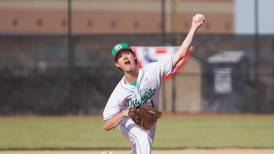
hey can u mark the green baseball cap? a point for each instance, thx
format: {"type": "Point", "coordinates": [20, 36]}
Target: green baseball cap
{"type": "Point", "coordinates": [118, 47]}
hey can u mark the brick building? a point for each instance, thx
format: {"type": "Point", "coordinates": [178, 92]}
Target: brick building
{"type": "Point", "coordinates": [113, 16]}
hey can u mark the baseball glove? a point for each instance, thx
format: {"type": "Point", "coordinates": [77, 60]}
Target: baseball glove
{"type": "Point", "coordinates": [144, 115]}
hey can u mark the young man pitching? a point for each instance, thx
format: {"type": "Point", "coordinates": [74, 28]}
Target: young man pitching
{"type": "Point", "coordinates": [132, 106]}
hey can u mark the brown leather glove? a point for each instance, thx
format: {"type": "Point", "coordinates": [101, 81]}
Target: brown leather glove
{"type": "Point", "coordinates": [144, 115]}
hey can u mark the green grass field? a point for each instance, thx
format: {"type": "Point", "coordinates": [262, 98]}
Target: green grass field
{"type": "Point", "coordinates": [173, 132]}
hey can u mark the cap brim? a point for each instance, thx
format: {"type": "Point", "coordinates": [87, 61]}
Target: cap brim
{"type": "Point", "coordinates": [123, 50]}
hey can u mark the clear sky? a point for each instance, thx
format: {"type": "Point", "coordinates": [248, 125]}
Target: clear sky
{"type": "Point", "coordinates": [244, 16]}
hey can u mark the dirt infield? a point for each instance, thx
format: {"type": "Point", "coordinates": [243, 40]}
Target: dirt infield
{"type": "Point", "coordinates": [190, 151]}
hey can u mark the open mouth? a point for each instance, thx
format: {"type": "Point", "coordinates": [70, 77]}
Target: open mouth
{"type": "Point", "coordinates": [127, 62]}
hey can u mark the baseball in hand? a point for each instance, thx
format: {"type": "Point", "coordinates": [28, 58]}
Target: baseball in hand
{"type": "Point", "coordinates": [198, 18]}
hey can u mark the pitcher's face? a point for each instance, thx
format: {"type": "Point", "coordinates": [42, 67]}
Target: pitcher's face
{"type": "Point", "coordinates": [126, 61]}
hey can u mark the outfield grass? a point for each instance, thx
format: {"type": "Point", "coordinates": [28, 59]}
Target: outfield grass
{"type": "Point", "coordinates": [173, 132]}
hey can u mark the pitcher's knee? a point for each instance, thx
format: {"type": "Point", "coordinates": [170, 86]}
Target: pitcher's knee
{"type": "Point", "coordinates": [144, 139]}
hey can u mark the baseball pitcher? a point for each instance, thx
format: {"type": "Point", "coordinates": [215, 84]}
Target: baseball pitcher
{"type": "Point", "coordinates": [133, 105]}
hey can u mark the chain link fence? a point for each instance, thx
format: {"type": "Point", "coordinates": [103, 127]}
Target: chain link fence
{"type": "Point", "coordinates": [61, 62]}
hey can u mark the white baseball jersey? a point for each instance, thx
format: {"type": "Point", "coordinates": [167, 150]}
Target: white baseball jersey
{"type": "Point", "coordinates": [147, 90]}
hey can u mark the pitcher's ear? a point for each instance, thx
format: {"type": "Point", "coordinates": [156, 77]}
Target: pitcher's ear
{"type": "Point", "coordinates": [116, 65]}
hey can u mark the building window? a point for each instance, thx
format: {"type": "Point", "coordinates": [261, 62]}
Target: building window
{"type": "Point", "coordinates": [39, 22]}
{"type": "Point", "coordinates": [227, 26]}
{"type": "Point", "coordinates": [160, 25]}
{"type": "Point", "coordinates": [64, 23]}
{"type": "Point", "coordinates": [15, 23]}
{"type": "Point", "coordinates": [113, 24]}
{"type": "Point", "coordinates": [89, 23]}
{"type": "Point", "coordinates": [186, 25]}
{"type": "Point", "coordinates": [136, 24]}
